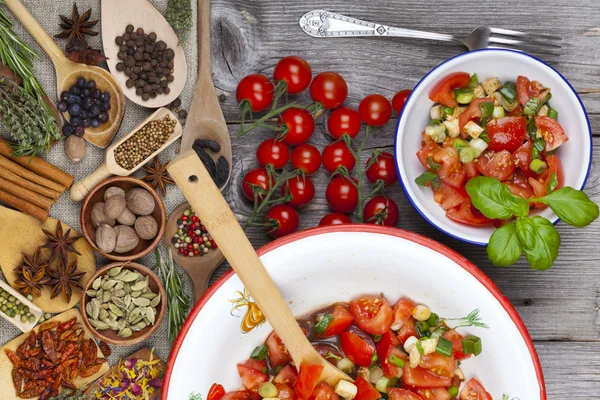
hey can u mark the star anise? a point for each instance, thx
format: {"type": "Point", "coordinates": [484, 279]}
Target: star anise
{"type": "Point", "coordinates": [60, 244]}
{"type": "Point", "coordinates": [158, 176]}
{"type": "Point", "coordinates": [30, 282]}
{"type": "Point", "coordinates": [77, 27]}
{"type": "Point", "coordinates": [34, 263]}
{"type": "Point", "coordinates": [64, 279]}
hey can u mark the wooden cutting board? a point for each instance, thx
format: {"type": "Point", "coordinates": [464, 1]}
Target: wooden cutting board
{"type": "Point", "coordinates": [142, 354]}
{"type": "Point", "coordinates": [21, 233]}
{"type": "Point", "coordinates": [7, 388]}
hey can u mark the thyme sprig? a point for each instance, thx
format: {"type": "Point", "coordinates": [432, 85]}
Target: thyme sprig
{"type": "Point", "coordinates": [179, 16]}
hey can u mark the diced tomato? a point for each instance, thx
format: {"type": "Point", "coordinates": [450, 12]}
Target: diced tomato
{"type": "Point", "coordinates": [408, 329]}
{"type": "Point", "coordinates": [554, 167]}
{"type": "Point", "coordinates": [452, 171]}
{"type": "Point", "coordinates": [324, 391]}
{"type": "Point", "coordinates": [552, 132]}
{"type": "Point", "coordinates": [365, 391]}
{"type": "Point", "coordinates": [287, 375]}
{"type": "Point", "coordinates": [307, 380]}
{"type": "Point", "coordinates": [442, 93]}
{"type": "Point", "coordinates": [434, 394]}
{"type": "Point", "coordinates": [501, 166]}
{"type": "Point", "coordinates": [457, 348]}
{"type": "Point", "coordinates": [403, 312]}
{"type": "Point", "coordinates": [402, 394]}
{"type": "Point", "coordinates": [216, 392]}
{"type": "Point", "coordinates": [506, 133]}
{"type": "Point", "coordinates": [449, 197]}
{"type": "Point", "coordinates": [471, 170]}
{"type": "Point", "coordinates": [278, 354]}
{"type": "Point", "coordinates": [473, 390]}
{"type": "Point", "coordinates": [523, 157]}
{"type": "Point", "coordinates": [390, 369]}
{"type": "Point", "coordinates": [439, 364]}
{"type": "Point", "coordinates": [423, 378]}
{"type": "Point", "coordinates": [255, 364]}
{"type": "Point", "coordinates": [241, 395]}
{"type": "Point", "coordinates": [373, 314]}
{"type": "Point", "coordinates": [518, 111]}
{"type": "Point", "coordinates": [342, 319]}
{"type": "Point", "coordinates": [426, 152]}
{"type": "Point", "coordinates": [356, 349]}
{"type": "Point", "coordinates": [387, 339]}
{"type": "Point", "coordinates": [465, 213]}
{"type": "Point", "coordinates": [251, 378]}
{"type": "Point", "coordinates": [285, 392]}
{"type": "Point", "coordinates": [471, 113]}
{"type": "Point", "coordinates": [539, 190]}
{"type": "Point", "coordinates": [519, 186]}
{"type": "Point", "coordinates": [523, 89]}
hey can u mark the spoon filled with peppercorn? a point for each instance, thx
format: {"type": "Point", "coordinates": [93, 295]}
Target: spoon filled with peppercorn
{"type": "Point", "coordinates": [89, 96]}
{"type": "Point", "coordinates": [132, 151]}
{"type": "Point", "coordinates": [144, 54]}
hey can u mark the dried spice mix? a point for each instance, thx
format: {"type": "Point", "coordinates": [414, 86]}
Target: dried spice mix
{"type": "Point", "coordinates": [133, 379]}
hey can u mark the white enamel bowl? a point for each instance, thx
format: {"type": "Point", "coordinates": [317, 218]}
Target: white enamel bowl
{"type": "Point", "coordinates": [576, 154]}
{"type": "Point", "coordinates": [321, 266]}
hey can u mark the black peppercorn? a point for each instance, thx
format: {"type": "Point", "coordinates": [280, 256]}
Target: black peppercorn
{"type": "Point", "coordinates": [120, 67]}
{"type": "Point", "coordinates": [130, 28]}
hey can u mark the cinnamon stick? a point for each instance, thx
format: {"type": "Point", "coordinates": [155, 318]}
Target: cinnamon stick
{"type": "Point", "coordinates": [23, 206]}
{"type": "Point", "coordinates": [26, 194]}
{"type": "Point", "coordinates": [38, 165]}
{"type": "Point", "coordinates": [17, 180]}
{"type": "Point", "coordinates": [30, 176]}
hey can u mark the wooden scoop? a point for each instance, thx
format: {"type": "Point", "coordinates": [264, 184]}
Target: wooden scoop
{"type": "Point", "coordinates": [193, 179]}
{"type": "Point", "coordinates": [67, 73]}
{"type": "Point", "coordinates": [116, 15]}
{"type": "Point", "coordinates": [199, 269]}
{"type": "Point", "coordinates": [110, 167]}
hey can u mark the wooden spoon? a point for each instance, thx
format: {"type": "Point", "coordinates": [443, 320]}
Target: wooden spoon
{"type": "Point", "coordinates": [193, 179]}
{"type": "Point", "coordinates": [206, 120]}
{"type": "Point", "coordinates": [116, 15]}
{"type": "Point", "coordinates": [199, 269]}
{"type": "Point", "coordinates": [110, 167]}
{"type": "Point", "coordinates": [67, 73]}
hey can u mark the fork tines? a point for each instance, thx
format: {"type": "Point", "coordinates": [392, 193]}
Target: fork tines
{"type": "Point", "coordinates": [534, 42]}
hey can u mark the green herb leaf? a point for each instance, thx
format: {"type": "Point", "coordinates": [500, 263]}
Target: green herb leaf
{"type": "Point", "coordinates": [494, 199]}
{"type": "Point", "coordinates": [425, 178]}
{"type": "Point", "coordinates": [322, 325]}
{"type": "Point", "coordinates": [487, 109]}
{"type": "Point", "coordinates": [433, 165]}
{"type": "Point", "coordinates": [552, 184]}
{"type": "Point", "coordinates": [540, 241]}
{"type": "Point", "coordinates": [473, 82]}
{"type": "Point", "coordinates": [572, 206]}
{"type": "Point", "coordinates": [484, 136]}
{"type": "Point", "coordinates": [504, 248]}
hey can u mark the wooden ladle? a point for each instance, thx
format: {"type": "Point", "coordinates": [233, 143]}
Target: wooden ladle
{"type": "Point", "coordinates": [199, 269]}
{"type": "Point", "coordinates": [67, 73]}
{"type": "Point", "coordinates": [193, 179]}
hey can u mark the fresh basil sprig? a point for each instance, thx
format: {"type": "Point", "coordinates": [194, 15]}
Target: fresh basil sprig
{"type": "Point", "coordinates": [494, 199]}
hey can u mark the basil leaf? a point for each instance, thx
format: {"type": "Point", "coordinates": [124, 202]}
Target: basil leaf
{"type": "Point", "coordinates": [425, 178]}
{"type": "Point", "coordinates": [572, 206]}
{"type": "Point", "coordinates": [433, 165]}
{"type": "Point", "coordinates": [504, 248]}
{"type": "Point", "coordinates": [494, 199]}
{"type": "Point", "coordinates": [436, 183]}
{"type": "Point", "coordinates": [552, 184]}
{"type": "Point", "coordinates": [540, 241]}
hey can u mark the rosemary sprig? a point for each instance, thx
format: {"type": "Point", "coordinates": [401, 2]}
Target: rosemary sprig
{"type": "Point", "coordinates": [179, 16]}
{"type": "Point", "coordinates": [470, 320]}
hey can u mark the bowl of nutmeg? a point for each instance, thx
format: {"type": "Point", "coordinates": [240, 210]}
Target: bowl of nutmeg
{"type": "Point", "coordinates": [123, 218]}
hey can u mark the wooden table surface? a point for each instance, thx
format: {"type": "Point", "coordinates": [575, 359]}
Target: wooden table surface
{"type": "Point", "coordinates": [561, 306]}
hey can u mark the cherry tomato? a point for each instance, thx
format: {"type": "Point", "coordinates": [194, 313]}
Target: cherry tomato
{"type": "Point", "coordinates": [341, 195]}
{"type": "Point", "coordinates": [381, 210]}
{"type": "Point", "coordinates": [554, 168]}
{"type": "Point", "coordinates": [434, 394]}
{"type": "Point", "coordinates": [329, 89]}
{"type": "Point", "coordinates": [308, 377]}
{"type": "Point", "coordinates": [523, 158]}
{"type": "Point", "coordinates": [295, 72]}
{"type": "Point", "coordinates": [506, 133]}
{"type": "Point", "coordinates": [426, 152]}
{"type": "Point", "coordinates": [278, 354]}
{"type": "Point", "coordinates": [365, 391]}
{"type": "Point", "coordinates": [501, 166]}
{"type": "Point", "coordinates": [285, 392]}
{"type": "Point", "coordinates": [457, 348]}
{"type": "Point", "coordinates": [274, 152]}
{"type": "Point", "coordinates": [452, 171]}
{"type": "Point", "coordinates": [216, 392]}
{"type": "Point", "coordinates": [342, 319]}
{"type": "Point", "coordinates": [519, 186]}
{"type": "Point", "coordinates": [402, 312]}
{"type": "Point", "coordinates": [307, 158]}
{"type": "Point", "coordinates": [439, 364]}
{"type": "Point", "coordinates": [300, 125]}
{"type": "Point", "coordinates": [390, 369]}
{"type": "Point", "coordinates": [399, 100]}
{"type": "Point", "coordinates": [442, 93]}
{"type": "Point", "coordinates": [449, 197]}
{"type": "Point", "coordinates": [257, 90]}
{"type": "Point", "coordinates": [375, 110]}
{"type": "Point", "coordinates": [407, 330]}
{"type": "Point", "coordinates": [287, 376]}
{"type": "Point", "coordinates": [301, 189]}
{"type": "Point", "coordinates": [251, 378]}
{"type": "Point", "coordinates": [373, 314]}
{"type": "Point", "coordinates": [402, 394]}
{"type": "Point", "coordinates": [552, 132]}
{"type": "Point", "coordinates": [423, 378]}
{"type": "Point", "coordinates": [467, 214]}
{"type": "Point", "coordinates": [336, 155]}
{"type": "Point", "coordinates": [324, 391]}
{"type": "Point", "coordinates": [523, 88]}
{"type": "Point", "coordinates": [240, 395]}
{"type": "Point", "coordinates": [343, 121]}
{"type": "Point", "coordinates": [357, 349]}
{"type": "Point", "coordinates": [384, 168]}
{"type": "Point", "coordinates": [286, 219]}
{"type": "Point", "coordinates": [335, 219]}
{"type": "Point", "coordinates": [473, 390]}
{"type": "Point", "coordinates": [258, 177]}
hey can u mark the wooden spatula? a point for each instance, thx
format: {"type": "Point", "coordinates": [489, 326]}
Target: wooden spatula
{"type": "Point", "coordinates": [193, 179]}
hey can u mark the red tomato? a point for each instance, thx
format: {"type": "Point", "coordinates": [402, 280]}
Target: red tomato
{"type": "Point", "coordinates": [278, 354]}
{"type": "Point", "coordinates": [307, 380]}
{"type": "Point", "coordinates": [552, 132]}
{"type": "Point", "coordinates": [434, 394]}
{"type": "Point", "coordinates": [273, 152]}
{"type": "Point", "coordinates": [373, 314]}
{"type": "Point", "coordinates": [501, 166]}
{"type": "Point", "coordinates": [452, 171]}
{"type": "Point", "coordinates": [471, 170]}
{"type": "Point", "coordinates": [506, 133]}
{"type": "Point", "coordinates": [519, 186]}
{"type": "Point", "coordinates": [423, 378]}
{"type": "Point", "coordinates": [390, 369]}
{"type": "Point", "coordinates": [324, 392]}
{"type": "Point", "coordinates": [383, 168]}
{"type": "Point", "coordinates": [426, 152]}
{"type": "Point", "coordinates": [336, 155]}
{"type": "Point", "coordinates": [257, 90]}
{"type": "Point", "coordinates": [329, 89]}
{"type": "Point", "coordinates": [295, 72]}
{"type": "Point", "coordinates": [356, 349]}
{"type": "Point", "coordinates": [300, 125]}
{"type": "Point", "coordinates": [251, 378]}
{"type": "Point", "coordinates": [516, 112]}
{"type": "Point", "coordinates": [471, 113]}
{"type": "Point", "coordinates": [241, 395]}
{"type": "Point", "coordinates": [439, 364]}
{"type": "Point", "coordinates": [407, 330]}
{"type": "Point", "coordinates": [301, 189]}
{"type": "Point", "coordinates": [387, 339]}
{"type": "Point", "coordinates": [457, 348]}
{"type": "Point", "coordinates": [365, 391]}
{"type": "Point", "coordinates": [335, 219]}
{"type": "Point", "coordinates": [523, 89]}
{"type": "Point", "coordinates": [285, 392]}
{"type": "Point", "coordinates": [539, 190]}
{"type": "Point", "coordinates": [307, 158]}
{"type": "Point", "coordinates": [449, 197]}
{"type": "Point", "coordinates": [523, 158]}
{"type": "Point", "coordinates": [258, 178]}
{"type": "Point", "coordinates": [402, 313]}
{"type": "Point", "coordinates": [343, 121]}
{"type": "Point", "coordinates": [399, 100]}
{"type": "Point", "coordinates": [442, 93]}
{"type": "Point", "coordinates": [284, 217]}
{"type": "Point", "coordinates": [216, 392]}
{"type": "Point", "coordinates": [381, 210]}
{"type": "Point", "coordinates": [466, 214]}
{"type": "Point", "coordinates": [473, 390]}
{"type": "Point", "coordinates": [375, 110]}
{"type": "Point", "coordinates": [554, 167]}
{"type": "Point", "coordinates": [287, 376]}
{"type": "Point", "coordinates": [342, 195]}
{"type": "Point", "coordinates": [255, 364]}
{"type": "Point", "coordinates": [342, 319]}
{"type": "Point", "coordinates": [402, 394]}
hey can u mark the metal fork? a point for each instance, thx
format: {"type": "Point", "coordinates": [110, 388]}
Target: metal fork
{"type": "Point", "coordinates": [325, 24]}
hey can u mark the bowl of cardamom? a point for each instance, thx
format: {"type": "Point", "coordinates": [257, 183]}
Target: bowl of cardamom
{"type": "Point", "coordinates": [123, 303]}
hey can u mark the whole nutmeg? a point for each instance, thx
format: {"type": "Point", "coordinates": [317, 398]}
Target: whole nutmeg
{"type": "Point", "coordinates": [75, 148]}
{"type": "Point", "coordinates": [146, 227]}
{"type": "Point", "coordinates": [127, 239]}
{"type": "Point", "coordinates": [106, 238]}
{"type": "Point", "coordinates": [126, 217]}
{"type": "Point", "coordinates": [113, 191]}
{"type": "Point", "coordinates": [140, 201]}
{"type": "Point", "coordinates": [98, 216]}
{"type": "Point", "coordinates": [114, 206]}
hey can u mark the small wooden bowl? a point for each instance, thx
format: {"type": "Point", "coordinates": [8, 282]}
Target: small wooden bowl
{"type": "Point", "coordinates": [110, 336]}
{"type": "Point", "coordinates": [97, 195]}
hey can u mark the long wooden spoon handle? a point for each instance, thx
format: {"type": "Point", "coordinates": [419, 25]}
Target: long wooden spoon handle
{"type": "Point", "coordinates": [204, 67]}
{"type": "Point", "coordinates": [81, 188]}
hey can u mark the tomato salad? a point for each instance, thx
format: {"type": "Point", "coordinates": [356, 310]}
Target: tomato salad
{"type": "Point", "coordinates": [404, 352]}
{"type": "Point", "coordinates": [506, 131]}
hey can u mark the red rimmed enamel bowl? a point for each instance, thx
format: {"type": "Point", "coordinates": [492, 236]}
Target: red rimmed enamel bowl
{"type": "Point", "coordinates": [318, 267]}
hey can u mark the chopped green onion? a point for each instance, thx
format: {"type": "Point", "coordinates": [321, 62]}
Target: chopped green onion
{"type": "Point", "coordinates": [472, 345]}
{"type": "Point", "coordinates": [509, 93]}
{"type": "Point", "coordinates": [397, 361]}
{"type": "Point", "coordinates": [422, 328]}
{"type": "Point", "coordinates": [532, 106]}
{"type": "Point", "coordinates": [538, 166]}
{"type": "Point", "coordinates": [552, 113]}
{"type": "Point", "coordinates": [437, 132]}
{"type": "Point", "coordinates": [435, 122]}
{"type": "Point", "coordinates": [377, 338]}
{"type": "Point", "coordinates": [464, 96]}
{"type": "Point", "coordinates": [268, 390]}
{"type": "Point", "coordinates": [374, 358]}
{"type": "Point", "coordinates": [322, 325]}
{"type": "Point", "coordinates": [453, 391]}
{"type": "Point", "coordinates": [420, 347]}
{"type": "Point", "coordinates": [474, 81]}
{"type": "Point", "coordinates": [448, 111]}
{"type": "Point", "coordinates": [437, 333]}
{"type": "Point", "coordinates": [433, 165]}
{"type": "Point", "coordinates": [539, 145]}
{"type": "Point", "coordinates": [467, 154]}
{"type": "Point", "coordinates": [434, 320]}
{"type": "Point", "coordinates": [425, 178]}
{"type": "Point", "coordinates": [345, 365]}
{"type": "Point", "coordinates": [444, 347]}
{"type": "Point", "coordinates": [264, 370]}
{"type": "Point", "coordinates": [487, 109]}
{"type": "Point", "coordinates": [333, 356]}
{"type": "Point", "coordinates": [384, 383]}
{"type": "Point", "coordinates": [259, 353]}
{"type": "Point", "coordinates": [484, 136]}
{"type": "Point", "coordinates": [498, 112]}
{"type": "Point", "coordinates": [459, 144]}
{"type": "Point", "coordinates": [552, 184]}
{"type": "Point", "coordinates": [532, 129]}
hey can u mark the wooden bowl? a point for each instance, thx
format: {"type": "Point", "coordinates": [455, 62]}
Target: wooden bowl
{"type": "Point", "coordinates": [97, 195]}
{"type": "Point", "coordinates": [110, 336]}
